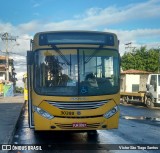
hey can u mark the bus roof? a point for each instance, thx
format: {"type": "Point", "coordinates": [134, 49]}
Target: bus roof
{"type": "Point", "coordinates": [75, 37]}
{"type": "Point", "coordinates": [75, 31]}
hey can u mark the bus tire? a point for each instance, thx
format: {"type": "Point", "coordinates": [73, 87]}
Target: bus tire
{"type": "Point", "coordinates": [149, 103]}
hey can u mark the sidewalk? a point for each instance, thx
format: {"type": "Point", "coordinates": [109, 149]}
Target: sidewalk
{"type": "Point", "coordinates": [10, 109]}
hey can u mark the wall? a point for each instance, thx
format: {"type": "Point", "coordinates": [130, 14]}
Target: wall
{"type": "Point", "coordinates": [127, 80]}
{"type": "Point", "coordinates": [2, 75]}
{"type": "Point", "coordinates": [122, 82]}
{"type": "Point", "coordinates": [130, 80]}
{"type": "Point", "coordinates": [143, 82]}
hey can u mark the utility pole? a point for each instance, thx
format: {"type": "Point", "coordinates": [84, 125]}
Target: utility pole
{"type": "Point", "coordinates": [129, 46]}
{"type": "Point", "coordinates": [7, 37]}
{"type": "Point", "coordinates": [158, 59]}
{"type": "Point", "coordinates": [131, 50]}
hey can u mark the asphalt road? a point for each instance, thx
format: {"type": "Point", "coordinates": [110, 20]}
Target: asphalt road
{"type": "Point", "coordinates": [138, 125]}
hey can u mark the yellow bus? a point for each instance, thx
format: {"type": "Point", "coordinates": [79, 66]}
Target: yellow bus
{"type": "Point", "coordinates": [25, 87]}
{"type": "Point", "coordinates": [74, 81]}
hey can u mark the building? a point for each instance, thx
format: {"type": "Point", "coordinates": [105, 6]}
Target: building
{"type": "Point", "coordinates": [12, 74]}
{"type": "Point", "coordinates": [133, 80]}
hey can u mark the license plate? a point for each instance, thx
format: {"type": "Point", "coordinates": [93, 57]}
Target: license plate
{"type": "Point", "coordinates": [79, 125]}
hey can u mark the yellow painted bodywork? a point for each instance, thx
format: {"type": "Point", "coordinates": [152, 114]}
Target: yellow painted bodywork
{"type": "Point", "coordinates": [25, 87]}
{"type": "Point", "coordinates": [25, 94]}
{"type": "Point", "coordinates": [90, 117]}
{"type": "Point", "coordinates": [1, 88]}
{"type": "Point", "coordinates": [61, 121]}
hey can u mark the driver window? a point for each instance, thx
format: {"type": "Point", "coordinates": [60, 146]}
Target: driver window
{"type": "Point", "coordinates": [153, 81]}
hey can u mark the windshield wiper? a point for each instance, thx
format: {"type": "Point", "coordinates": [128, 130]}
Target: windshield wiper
{"type": "Point", "coordinates": [92, 55]}
{"type": "Point", "coordinates": [61, 54]}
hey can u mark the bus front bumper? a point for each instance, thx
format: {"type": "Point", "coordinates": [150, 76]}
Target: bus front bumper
{"type": "Point", "coordinates": [58, 123]}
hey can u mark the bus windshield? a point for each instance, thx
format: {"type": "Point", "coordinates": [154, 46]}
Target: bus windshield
{"type": "Point", "coordinates": [76, 72]}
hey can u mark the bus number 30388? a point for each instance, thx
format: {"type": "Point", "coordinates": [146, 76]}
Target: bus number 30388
{"type": "Point", "coordinates": [67, 113]}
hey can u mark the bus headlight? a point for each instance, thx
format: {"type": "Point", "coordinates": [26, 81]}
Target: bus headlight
{"type": "Point", "coordinates": [111, 112]}
{"type": "Point", "coordinates": [43, 112]}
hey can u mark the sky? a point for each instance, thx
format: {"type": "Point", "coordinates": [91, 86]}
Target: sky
{"type": "Point", "coordinates": [136, 21]}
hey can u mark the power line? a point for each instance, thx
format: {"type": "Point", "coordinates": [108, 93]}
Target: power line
{"type": "Point", "coordinates": [7, 37]}
{"type": "Point", "coordinates": [17, 54]}
{"type": "Point", "coordinates": [129, 47]}
{"type": "Point", "coordinates": [24, 38]}
{"type": "Point", "coordinates": [13, 53]}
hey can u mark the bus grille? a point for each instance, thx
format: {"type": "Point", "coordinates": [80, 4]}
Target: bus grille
{"type": "Point", "coordinates": [78, 105]}
{"type": "Point", "coordinates": [78, 117]}
{"type": "Point", "coordinates": [70, 126]}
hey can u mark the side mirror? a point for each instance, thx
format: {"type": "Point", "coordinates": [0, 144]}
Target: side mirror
{"type": "Point", "coordinates": [30, 57]}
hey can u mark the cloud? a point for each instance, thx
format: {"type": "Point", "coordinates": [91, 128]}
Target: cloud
{"type": "Point", "coordinates": [95, 17]}
{"type": "Point", "coordinates": [136, 34]}
{"type": "Point", "coordinates": [20, 68]}
{"type": "Point", "coordinates": [7, 27]}
{"type": "Point", "coordinates": [144, 10]}
{"type": "Point", "coordinates": [92, 19]}
{"type": "Point", "coordinates": [20, 82]}
{"type": "Point", "coordinates": [138, 37]}
{"type": "Point", "coordinates": [29, 27]}
{"type": "Point", "coordinates": [20, 49]}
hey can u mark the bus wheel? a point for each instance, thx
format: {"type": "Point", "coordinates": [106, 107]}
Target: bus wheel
{"type": "Point", "coordinates": [149, 103]}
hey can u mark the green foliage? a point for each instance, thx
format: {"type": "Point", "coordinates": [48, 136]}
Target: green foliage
{"type": "Point", "coordinates": [141, 59]}
{"type": "Point", "coordinates": [19, 89]}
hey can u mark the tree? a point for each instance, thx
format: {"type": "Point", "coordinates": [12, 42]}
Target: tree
{"type": "Point", "coordinates": [19, 89]}
{"type": "Point", "coordinates": [141, 59]}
